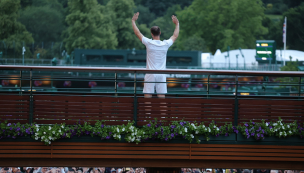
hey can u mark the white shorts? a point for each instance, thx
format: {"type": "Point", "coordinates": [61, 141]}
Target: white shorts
{"type": "Point", "coordinates": [161, 88]}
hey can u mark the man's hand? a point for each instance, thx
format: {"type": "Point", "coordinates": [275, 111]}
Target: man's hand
{"type": "Point", "coordinates": [135, 17]}
{"type": "Point", "coordinates": [174, 20]}
{"type": "Point", "coordinates": [136, 30]}
{"type": "Point", "coordinates": [176, 31]}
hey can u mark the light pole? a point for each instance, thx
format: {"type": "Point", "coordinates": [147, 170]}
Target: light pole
{"type": "Point", "coordinates": [237, 62]}
{"type": "Point", "coordinates": [23, 50]}
{"type": "Point", "coordinates": [243, 57]}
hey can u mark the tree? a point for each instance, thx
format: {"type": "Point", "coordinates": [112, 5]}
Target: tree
{"type": "Point", "coordinates": [45, 23]}
{"type": "Point", "coordinates": [193, 43]}
{"type": "Point", "coordinates": [122, 12]}
{"type": "Point", "coordinates": [12, 32]}
{"type": "Point", "coordinates": [165, 22]}
{"type": "Point", "coordinates": [295, 28]}
{"type": "Point", "coordinates": [222, 23]}
{"type": "Point", "coordinates": [88, 28]}
{"type": "Point", "coordinates": [146, 17]}
{"type": "Point", "coordinates": [159, 7]}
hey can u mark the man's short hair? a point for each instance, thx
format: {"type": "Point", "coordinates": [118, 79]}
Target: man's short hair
{"type": "Point", "coordinates": [155, 30]}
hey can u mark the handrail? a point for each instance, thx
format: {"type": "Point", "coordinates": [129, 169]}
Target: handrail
{"type": "Point", "coordinates": [143, 70]}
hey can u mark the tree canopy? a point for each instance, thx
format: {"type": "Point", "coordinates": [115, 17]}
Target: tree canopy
{"type": "Point", "coordinates": [88, 28]}
{"type": "Point", "coordinates": [231, 23]}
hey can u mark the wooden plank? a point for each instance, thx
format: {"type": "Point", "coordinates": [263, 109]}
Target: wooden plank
{"type": "Point", "coordinates": [83, 99]}
{"type": "Point", "coordinates": [71, 122]}
{"type": "Point", "coordinates": [122, 156]}
{"type": "Point", "coordinates": [247, 154]}
{"type": "Point", "coordinates": [271, 102]}
{"type": "Point", "coordinates": [121, 152]}
{"type": "Point", "coordinates": [13, 97]}
{"type": "Point", "coordinates": [193, 109]}
{"type": "Point", "coordinates": [37, 111]}
{"type": "Point", "coordinates": [118, 148]}
{"type": "Point", "coordinates": [189, 101]}
{"type": "Point", "coordinates": [108, 113]}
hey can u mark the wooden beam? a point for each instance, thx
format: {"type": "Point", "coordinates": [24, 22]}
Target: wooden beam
{"type": "Point", "coordinates": [149, 163]}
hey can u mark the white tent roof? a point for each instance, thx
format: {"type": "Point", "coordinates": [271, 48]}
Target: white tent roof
{"type": "Point", "coordinates": [249, 55]}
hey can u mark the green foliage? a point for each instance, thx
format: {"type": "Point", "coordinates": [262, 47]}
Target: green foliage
{"type": "Point", "coordinates": [193, 43]}
{"type": "Point", "coordinates": [88, 28]}
{"type": "Point", "coordinates": [221, 23]}
{"type": "Point", "coordinates": [154, 130]}
{"type": "Point", "coordinates": [165, 22]}
{"type": "Point", "coordinates": [121, 13]}
{"type": "Point", "coordinates": [44, 22]}
{"type": "Point", "coordinates": [146, 17]}
{"type": "Point", "coordinates": [279, 129]}
{"type": "Point", "coordinates": [160, 7]}
{"type": "Point", "coordinates": [12, 31]}
{"type": "Point", "coordinates": [295, 28]}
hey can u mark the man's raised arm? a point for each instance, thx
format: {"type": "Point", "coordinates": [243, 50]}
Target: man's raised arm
{"type": "Point", "coordinates": [176, 31]}
{"type": "Point", "coordinates": [136, 30]}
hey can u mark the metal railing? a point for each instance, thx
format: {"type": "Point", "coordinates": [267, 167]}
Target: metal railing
{"type": "Point", "coordinates": [183, 84]}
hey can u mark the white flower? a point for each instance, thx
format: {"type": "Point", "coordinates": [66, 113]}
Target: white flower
{"type": "Point", "coordinates": [50, 142]}
{"type": "Point", "coordinates": [196, 132]}
{"type": "Point", "coordinates": [37, 125]}
{"type": "Point", "coordinates": [37, 129]}
{"type": "Point", "coordinates": [192, 136]}
{"type": "Point", "coordinates": [62, 126]}
{"type": "Point", "coordinates": [53, 132]}
{"type": "Point", "coordinates": [50, 138]}
{"type": "Point", "coordinates": [143, 132]}
{"type": "Point", "coordinates": [132, 134]}
{"type": "Point", "coordinates": [42, 137]}
{"type": "Point", "coordinates": [217, 129]}
{"type": "Point", "coordinates": [285, 134]}
{"type": "Point", "coordinates": [114, 135]}
{"type": "Point", "coordinates": [209, 129]}
{"type": "Point", "coordinates": [193, 125]}
{"type": "Point", "coordinates": [274, 124]}
{"type": "Point", "coordinates": [267, 124]}
{"type": "Point", "coordinates": [36, 138]}
{"type": "Point", "coordinates": [59, 131]}
{"type": "Point", "coordinates": [288, 126]}
{"type": "Point", "coordinates": [290, 132]}
{"type": "Point", "coordinates": [214, 126]}
{"type": "Point", "coordinates": [283, 127]}
{"type": "Point", "coordinates": [123, 129]}
{"type": "Point", "coordinates": [50, 128]}
{"type": "Point", "coordinates": [280, 133]}
{"type": "Point", "coordinates": [186, 129]}
{"type": "Point", "coordinates": [44, 133]}
{"type": "Point", "coordinates": [119, 136]}
{"type": "Point", "coordinates": [180, 132]}
{"type": "Point", "coordinates": [117, 129]}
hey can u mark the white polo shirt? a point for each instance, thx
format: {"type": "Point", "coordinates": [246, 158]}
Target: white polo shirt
{"type": "Point", "coordinates": [156, 60]}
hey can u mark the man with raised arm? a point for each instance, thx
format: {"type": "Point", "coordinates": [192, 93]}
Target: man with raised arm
{"type": "Point", "coordinates": [156, 57]}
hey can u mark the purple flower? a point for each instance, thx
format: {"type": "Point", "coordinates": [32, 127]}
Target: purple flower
{"type": "Point", "coordinates": [110, 133]}
{"type": "Point", "coordinates": [181, 123]}
{"type": "Point", "coordinates": [166, 139]}
{"type": "Point", "coordinates": [161, 129]}
{"type": "Point", "coordinates": [156, 133]}
{"type": "Point", "coordinates": [253, 123]}
{"type": "Point", "coordinates": [9, 124]}
{"type": "Point", "coordinates": [270, 127]}
{"type": "Point", "coordinates": [258, 135]}
{"type": "Point", "coordinates": [14, 137]}
{"type": "Point", "coordinates": [263, 131]}
{"type": "Point", "coordinates": [102, 126]}
{"type": "Point", "coordinates": [172, 126]}
{"type": "Point", "coordinates": [226, 134]}
{"type": "Point", "coordinates": [149, 125]}
{"type": "Point", "coordinates": [246, 130]}
{"type": "Point", "coordinates": [236, 131]}
{"type": "Point", "coordinates": [252, 134]}
{"type": "Point", "coordinates": [246, 125]}
{"type": "Point", "coordinates": [11, 128]}
{"type": "Point", "coordinates": [108, 137]}
{"type": "Point", "coordinates": [172, 135]}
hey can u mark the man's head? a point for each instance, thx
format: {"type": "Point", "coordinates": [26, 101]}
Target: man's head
{"type": "Point", "coordinates": [155, 31]}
